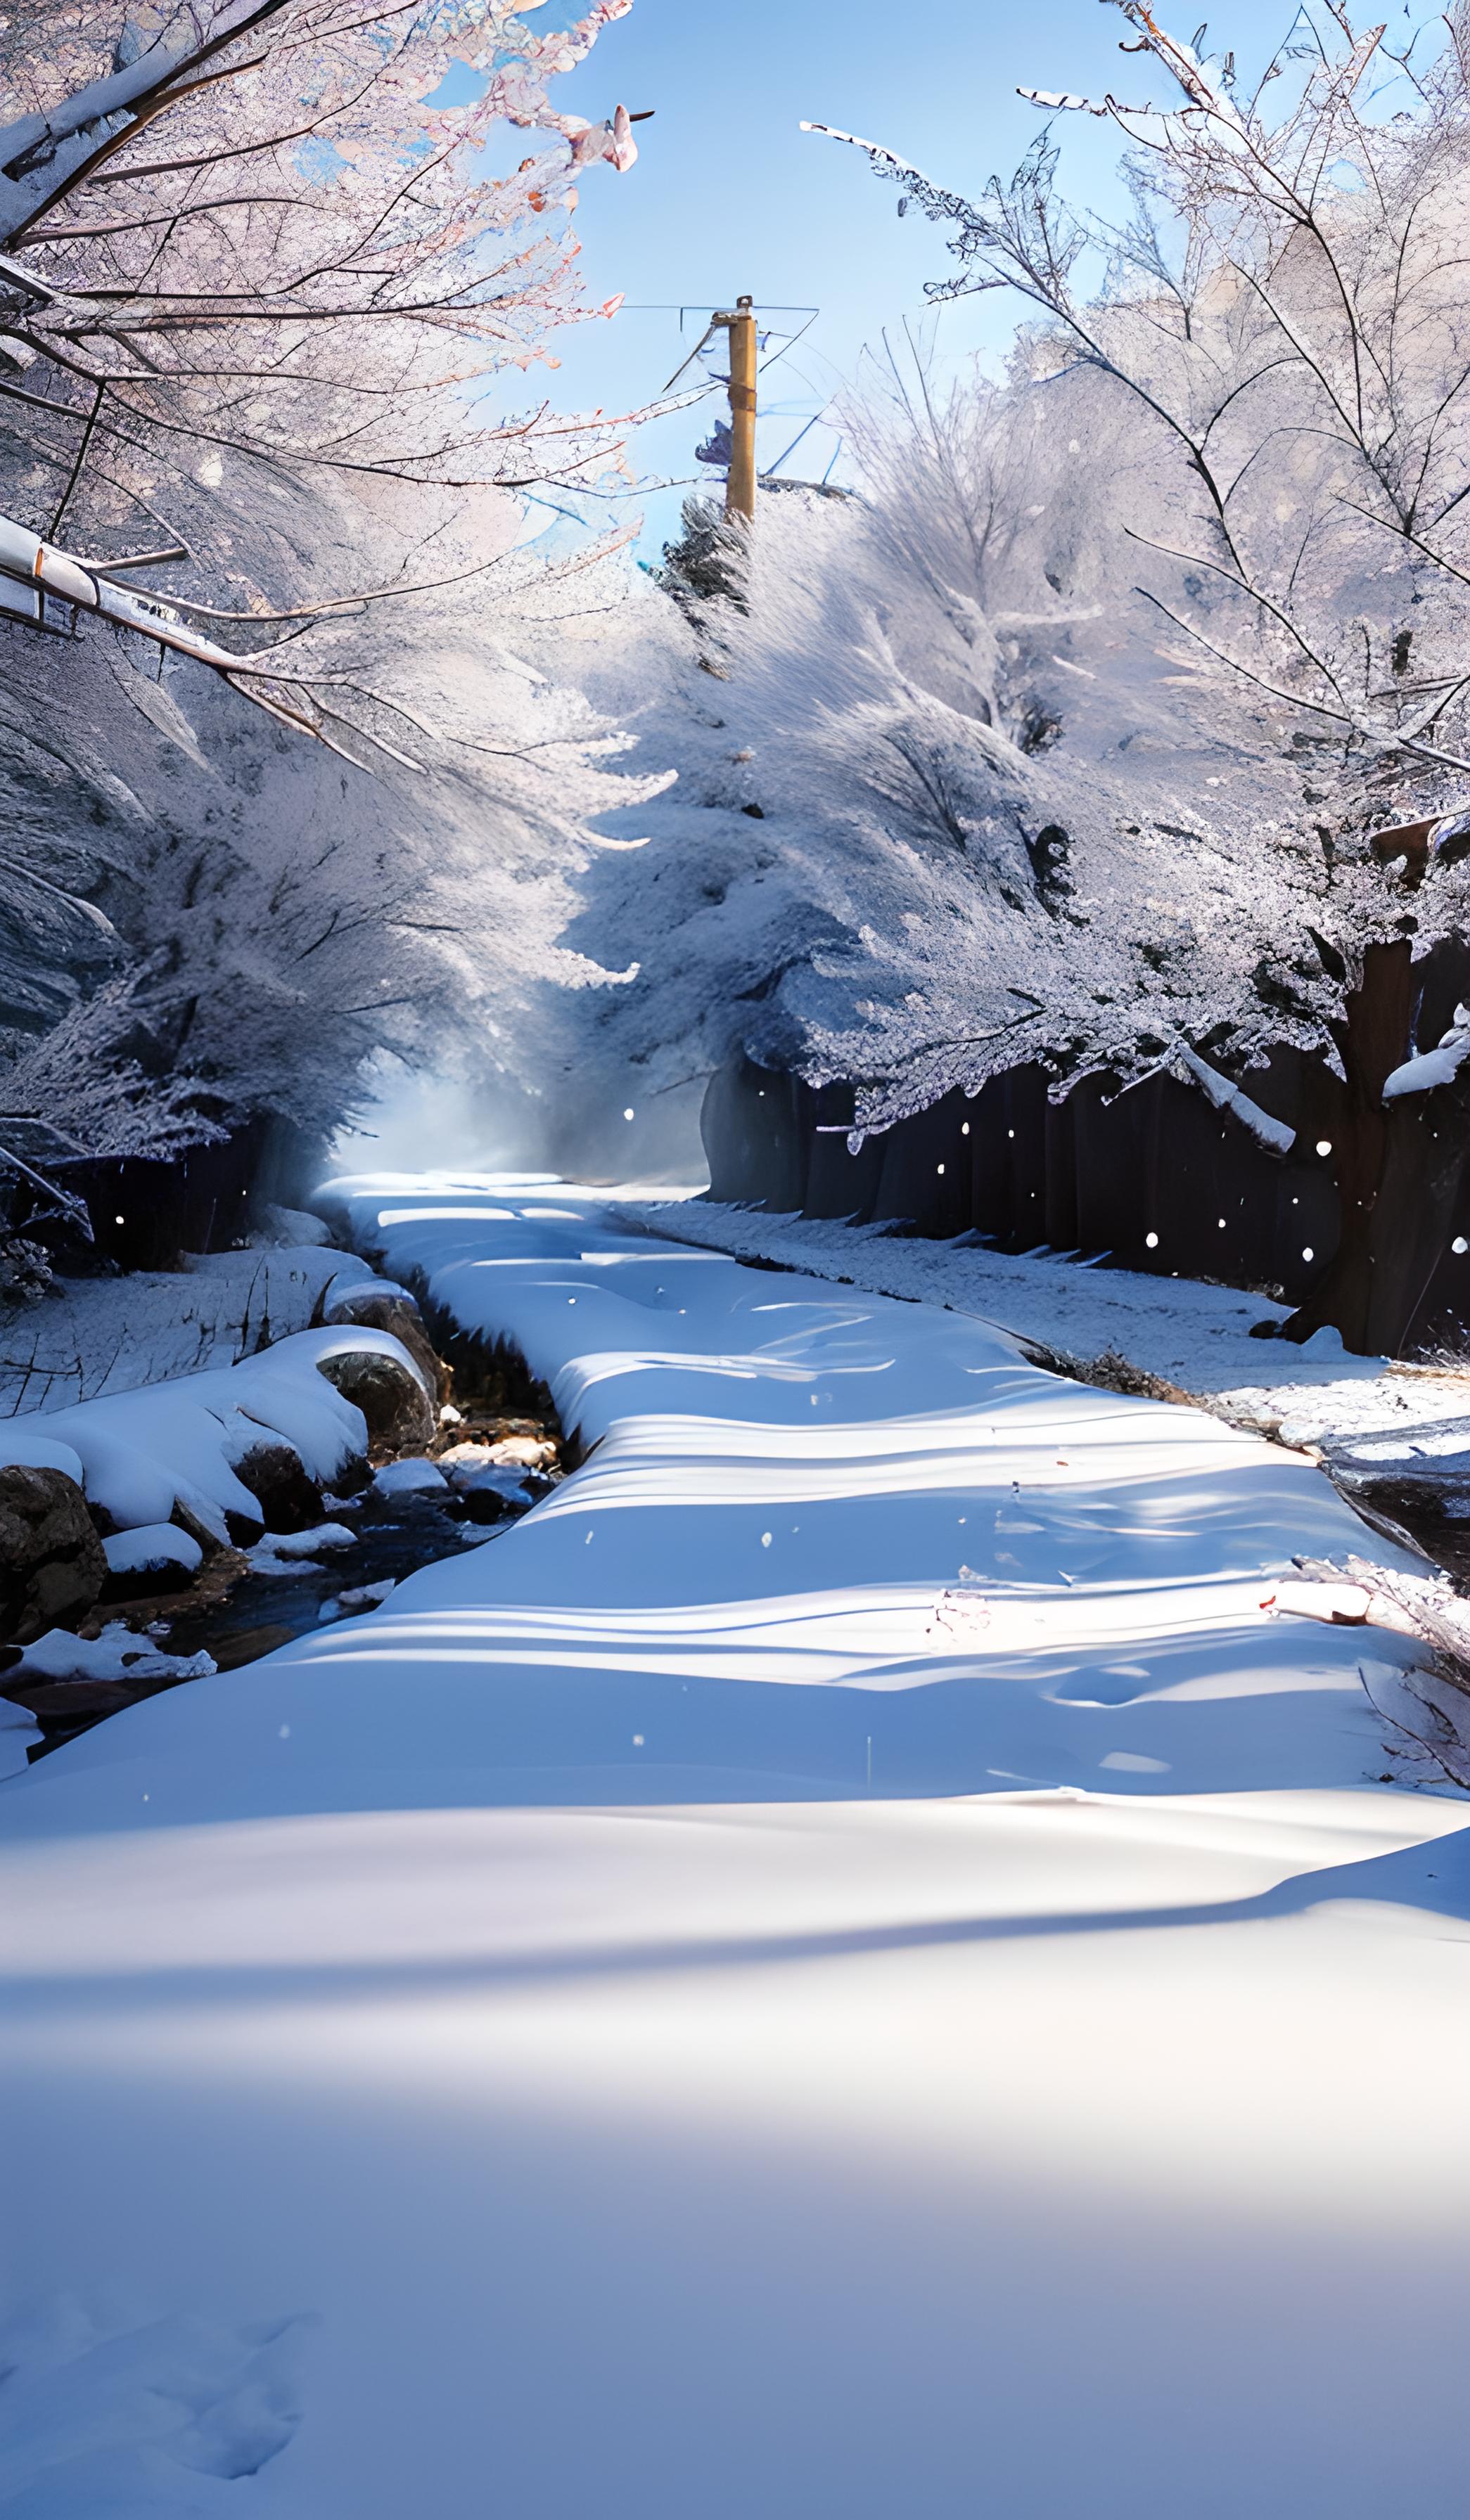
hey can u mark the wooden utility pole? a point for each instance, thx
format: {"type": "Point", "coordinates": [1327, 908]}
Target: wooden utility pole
{"type": "Point", "coordinates": [740, 481]}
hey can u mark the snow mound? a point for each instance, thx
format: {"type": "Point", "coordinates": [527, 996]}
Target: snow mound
{"type": "Point", "coordinates": [311, 1544]}
{"type": "Point", "coordinates": [142, 1454]}
{"type": "Point", "coordinates": [358, 1598]}
{"type": "Point", "coordinates": [160, 1545]}
{"type": "Point", "coordinates": [33, 1451]}
{"type": "Point", "coordinates": [408, 1478]}
{"type": "Point", "coordinates": [118, 1653]}
{"type": "Point", "coordinates": [284, 1553]}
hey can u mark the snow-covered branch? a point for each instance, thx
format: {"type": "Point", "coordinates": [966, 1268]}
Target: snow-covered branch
{"type": "Point", "coordinates": [1222, 1096]}
{"type": "Point", "coordinates": [1429, 1068]}
{"type": "Point", "coordinates": [1309, 301]}
{"type": "Point", "coordinates": [257, 273]}
{"type": "Point", "coordinates": [207, 275]}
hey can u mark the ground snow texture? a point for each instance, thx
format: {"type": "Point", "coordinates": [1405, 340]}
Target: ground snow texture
{"type": "Point", "coordinates": [1182, 1329]}
{"type": "Point", "coordinates": [92, 1337]}
{"type": "Point", "coordinates": [842, 1966]}
{"type": "Point", "coordinates": [140, 1454]}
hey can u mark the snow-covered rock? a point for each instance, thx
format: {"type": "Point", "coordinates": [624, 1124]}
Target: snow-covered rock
{"type": "Point", "coordinates": [118, 1653]}
{"type": "Point", "coordinates": [409, 1478]}
{"type": "Point", "coordinates": [393, 1387]}
{"type": "Point", "coordinates": [380, 1304]}
{"type": "Point", "coordinates": [494, 1490]}
{"type": "Point", "coordinates": [142, 1454]}
{"type": "Point", "coordinates": [328, 1536]}
{"type": "Point", "coordinates": [152, 1548]}
{"type": "Point", "coordinates": [284, 1553]}
{"type": "Point", "coordinates": [357, 1599]}
{"type": "Point", "coordinates": [508, 1451]}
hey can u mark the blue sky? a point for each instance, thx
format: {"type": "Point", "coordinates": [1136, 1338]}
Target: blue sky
{"type": "Point", "coordinates": [729, 195]}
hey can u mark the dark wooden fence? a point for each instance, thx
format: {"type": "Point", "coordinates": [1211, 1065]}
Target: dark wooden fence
{"type": "Point", "coordinates": [1154, 1178]}
{"type": "Point", "coordinates": [146, 1210]}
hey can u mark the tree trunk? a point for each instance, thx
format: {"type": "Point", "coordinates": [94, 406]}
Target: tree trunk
{"type": "Point", "coordinates": [1399, 1169]}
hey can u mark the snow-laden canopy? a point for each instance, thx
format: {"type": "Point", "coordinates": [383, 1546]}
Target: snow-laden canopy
{"type": "Point", "coordinates": [257, 276]}
{"type": "Point", "coordinates": [915, 841]}
{"type": "Point", "coordinates": [1124, 708]}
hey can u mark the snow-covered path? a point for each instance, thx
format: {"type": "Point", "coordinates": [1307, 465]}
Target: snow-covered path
{"type": "Point", "coordinates": [843, 1967]}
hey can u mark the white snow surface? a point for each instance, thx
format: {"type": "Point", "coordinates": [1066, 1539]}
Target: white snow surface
{"type": "Point", "coordinates": [97, 1337]}
{"type": "Point", "coordinates": [20, 1734]}
{"type": "Point", "coordinates": [843, 1964]}
{"type": "Point", "coordinates": [1195, 1335]}
{"type": "Point", "coordinates": [141, 1453]}
{"type": "Point", "coordinates": [152, 1544]}
{"type": "Point", "coordinates": [408, 1478]}
{"type": "Point", "coordinates": [118, 1653]}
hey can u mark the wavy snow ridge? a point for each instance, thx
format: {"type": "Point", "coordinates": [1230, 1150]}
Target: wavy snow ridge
{"type": "Point", "coordinates": [756, 1991]}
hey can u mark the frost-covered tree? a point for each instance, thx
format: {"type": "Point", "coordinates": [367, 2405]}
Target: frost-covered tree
{"type": "Point", "coordinates": [1202, 568]}
{"type": "Point", "coordinates": [257, 280]}
{"type": "Point", "coordinates": [925, 823]}
{"type": "Point", "coordinates": [245, 233]}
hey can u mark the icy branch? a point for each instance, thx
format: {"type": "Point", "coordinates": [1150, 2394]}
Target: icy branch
{"type": "Point", "coordinates": [1431, 1067]}
{"type": "Point", "coordinates": [1271, 1134]}
{"type": "Point", "coordinates": [42, 151]}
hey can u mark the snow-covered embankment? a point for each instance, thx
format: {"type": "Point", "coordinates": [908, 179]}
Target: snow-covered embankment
{"type": "Point", "coordinates": [846, 1964]}
{"type": "Point", "coordinates": [175, 1470]}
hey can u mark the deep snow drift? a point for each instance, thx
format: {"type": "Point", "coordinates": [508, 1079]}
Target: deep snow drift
{"type": "Point", "coordinates": [1184, 1329]}
{"type": "Point", "coordinates": [843, 1965]}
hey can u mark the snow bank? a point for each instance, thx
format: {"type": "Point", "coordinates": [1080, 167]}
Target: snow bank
{"type": "Point", "coordinates": [98, 1336]}
{"type": "Point", "coordinates": [846, 1931]}
{"type": "Point", "coordinates": [1194, 1336]}
{"type": "Point", "coordinates": [141, 1454]}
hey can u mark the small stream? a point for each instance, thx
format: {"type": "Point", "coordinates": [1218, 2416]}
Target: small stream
{"type": "Point", "coordinates": [396, 1536]}
{"type": "Point", "coordinates": [1435, 1516]}
{"type": "Point", "coordinates": [498, 1448]}
{"type": "Point", "coordinates": [237, 1612]}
